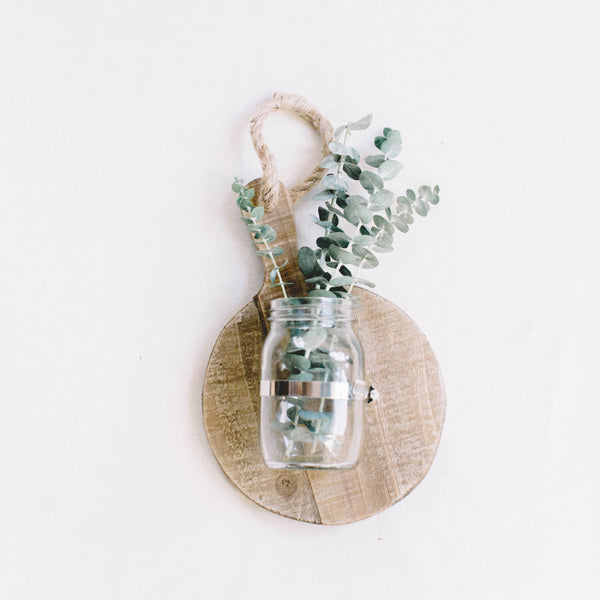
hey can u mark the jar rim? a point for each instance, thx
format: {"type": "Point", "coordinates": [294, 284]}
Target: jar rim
{"type": "Point", "coordinates": [351, 302]}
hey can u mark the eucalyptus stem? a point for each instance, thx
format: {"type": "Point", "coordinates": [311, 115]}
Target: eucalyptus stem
{"type": "Point", "coordinates": [270, 255]}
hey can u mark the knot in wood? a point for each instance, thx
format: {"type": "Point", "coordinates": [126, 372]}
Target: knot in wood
{"type": "Point", "coordinates": [286, 484]}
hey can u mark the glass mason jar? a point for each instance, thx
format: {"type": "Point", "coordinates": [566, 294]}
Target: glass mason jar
{"type": "Point", "coordinates": [312, 385]}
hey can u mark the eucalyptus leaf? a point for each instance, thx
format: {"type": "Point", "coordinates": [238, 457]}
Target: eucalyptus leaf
{"type": "Point", "coordinates": [324, 224]}
{"type": "Point", "coordinates": [331, 182]}
{"type": "Point", "coordinates": [375, 160]}
{"type": "Point", "coordinates": [257, 212]}
{"type": "Point", "coordinates": [392, 134]}
{"type": "Point", "coordinates": [295, 362]}
{"type": "Point", "coordinates": [307, 262]}
{"type": "Point", "coordinates": [362, 123]}
{"type": "Point", "coordinates": [248, 193]}
{"type": "Point", "coordinates": [341, 281]}
{"type": "Point", "coordinates": [243, 203]}
{"type": "Point", "coordinates": [313, 338]}
{"type": "Point", "coordinates": [339, 132]}
{"type": "Point", "coordinates": [341, 200]}
{"type": "Point", "coordinates": [363, 240]}
{"type": "Point", "coordinates": [331, 161]}
{"type": "Point", "coordinates": [404, 205]}
{"type": "Point", "coordinates": [313, 415]}
{"type": "Point", "coordinates": [368, 259]}
{"type": "Point", "coordinates": [355, 199]}
{"type": "Point", "coordinates": [352, 156]}
{"type": "Point", "coordinates": [323, 213]}
{"type": "Point", "coordinates": [381, 199]}
{"type": "Point", "coordinates": [322, 294]}
{"type": "Point", "coordinates": [384, 239]}
{"type": "Point", "coordinates": [379, 141]}
{"type": "Point", "coordinates": [391, 147]}
{"type": "Point", "coordinates": [384, 224]}
{"type": "Point", "coordinates": [420, 207]}
{"type": "Point", "coordinates": [425, 194]}
{"type": "Point", "coordinates": [370, 181]}
{"type": "Point", "coordinates": [269, 235]}
{"type": "Point", "coordinates": [341, 238]}
{"type": "Point", "coordinates": [401, 225]}
{"type": "Point", "coordinates": [343, 255]}
{"type": "Point", "coordinates": [353, 171]}
{"type": "Point", "coordinates": [389, 169]}
{"type": "Point", "coordinates": [356, 214]}
{"type": "Point", "coordinates": [324, 242]}
{"type": "Point", "coordinates": [317, 280]}
{"type": "Point", "coordinates": [323, 195]}
{"type": "Point", "coordinates": [339, 148]}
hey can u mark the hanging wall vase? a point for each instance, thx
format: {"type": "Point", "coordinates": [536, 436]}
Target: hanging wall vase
{"type": "Point", "coordinates": [320, 405]}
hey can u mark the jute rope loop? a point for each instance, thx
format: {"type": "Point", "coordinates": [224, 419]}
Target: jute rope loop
{"type": "Point", "coordinates": [303, 108]}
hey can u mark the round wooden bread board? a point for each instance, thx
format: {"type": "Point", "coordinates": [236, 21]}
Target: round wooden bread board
{"type": "Point", "coordinates": [402, 427]}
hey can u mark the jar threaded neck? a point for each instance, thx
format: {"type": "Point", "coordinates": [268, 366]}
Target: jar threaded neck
{"type": "Point", "coordinates": [314, 308]}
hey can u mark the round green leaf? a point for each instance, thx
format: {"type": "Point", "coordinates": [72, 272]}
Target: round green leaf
{"type": "Point", "coordinates": [356, 214]}
{"type": "Point", "coordinates": [317, 280]}
{"type": "Point", "coordinates": [257, 212]}
{"type": "Point", "coordinates": [339, 148]}
{"type": "Point", "coordinates": [379, 141]}
{"type": "Point", "coordinates": [384, 224]}
{"type": "Point", "coordinates": [313, 338]}
{"type": "Point", "coordinates": [420, 207]}
{"type": "Point", "coordinates": [342, 255]}
{"type": "Point", "coordinates": [353, 171]}
{"type": "Point", "coordinates": [381, 199]}
{"type": "Point", "coordinates": [370, 181]}
{"type": "Point", "coordinates": [368, 259]}
{"type": "Point", "coordinates": [391, 147]}
{"type": "Point", "coordinates": [339, 132]}
{"type": "Point", "coordinates": [364, 240]}
{"type": "Point", "coordinates": [296, 362]}
{"type": "Point", "coordinates": [357, 200]}
{"type": "Point", "coordinates": [389, 169]}
{"type": "Point", "coordinates": [307, 261]}
{"type": "Point", "coordinates": [329, 162]}
{"type": "Point", "coordinates": [375, 160]}
{"type": "Point", "coordinates": [340, 238]}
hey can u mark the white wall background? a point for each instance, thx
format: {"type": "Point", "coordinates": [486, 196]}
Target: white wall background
{"type": "Point", "coordinates": [121, 258]}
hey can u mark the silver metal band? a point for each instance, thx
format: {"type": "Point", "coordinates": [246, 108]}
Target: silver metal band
{"type": "Point", "coordinates": [309, 389]}
{"type": "Point", "coordinates": [335, 390]}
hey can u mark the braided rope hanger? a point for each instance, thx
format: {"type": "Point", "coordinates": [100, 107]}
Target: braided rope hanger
{"type": "Point", "coordinates": [303, 108]}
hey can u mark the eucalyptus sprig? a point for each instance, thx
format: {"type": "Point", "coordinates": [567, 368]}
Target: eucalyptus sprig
{"type": "Point", "coordinates": [262, 234]}
{"type": "Point", "coordinates": [357, 226]}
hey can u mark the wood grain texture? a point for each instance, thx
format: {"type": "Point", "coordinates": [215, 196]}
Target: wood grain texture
{"type": "Point", "coordinates": [402, 427]}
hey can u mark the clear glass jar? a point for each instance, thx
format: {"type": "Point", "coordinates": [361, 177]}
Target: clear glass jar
{"type": "Point", "coordinates": [312, 385]}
